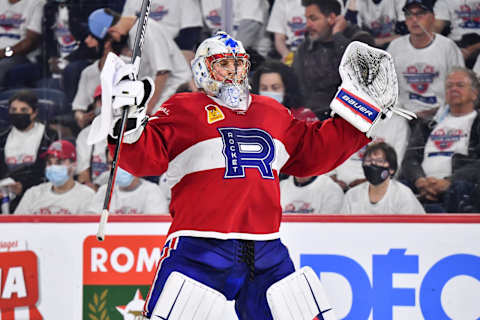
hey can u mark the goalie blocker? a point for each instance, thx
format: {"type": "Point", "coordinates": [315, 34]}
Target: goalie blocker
{"type": "Point", "coordinates": [369, 90]}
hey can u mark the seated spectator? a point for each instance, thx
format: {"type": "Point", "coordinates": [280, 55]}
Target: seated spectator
{"type": "Point", "coordinates": [441, 153]}
{"type": "Point", "coordinates": [278, 81]}
{"type": "Point", "coordinates": [395, 132]}
{"type": "Point", "coordinates": [310, 195]}
{"type": "Point", "coordinates": [180, 19]}
{"type": "Point", "coordinates": [92, 166]}
{"type": "Point", "coordinates": [131, 195]}
{"type": "Point", "coordinates": [22, 143]}
{"type": "Point", "coordinates": [248, 25]}
{"type": "Point", "coordinates": [384, 19]}
{"type": "Point", "coordinates": [288, 24]}
{"type": "Point", "coordinates": [380, 194]}
{"type": "Point", "coordinates": [62, 194]}
{"type": "Point", "coordinates": [161, 58]}
{"type": "Point", "coordinates": [460, 20]}
{"type": "Point", "coordinates": [422, 60]}
{"type": "Point", "coordinates": [20, 34]}
{"type": "Point", "coordinates": [317, 59]}
{"type": "Point", "coordinates": [64, 29]}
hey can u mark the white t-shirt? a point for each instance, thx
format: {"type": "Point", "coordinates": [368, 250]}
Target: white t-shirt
{"type": "Point", "coordinates": [17, 18]}
{"type": "Point", "coordinates": [89, 81]}
{"type": "Point", "coordinates": [421, 72]}
{"type": "Point", "coordinates": [161, 53]}
{"type": "Point", "coordinates": [288, 18]}
{"type": "Point", "coordinates": [449, 136]}
{"type": "Point", "coordinates": [146, 198]}
{"type": "Point", "coordinates": [66, 42]}
{"type": "Point", "coordinates": [464, 16]}
{"type": "Point", "coordinates": [242, 10]}
{"type": "Point", "coordinates": [94, 156]}
{"type": "Point", "coordinates": [380, 18]}
{"type": "Point", "coordinates": [322, 195]}
{"type": "Point", "coordinates": [21, 147]}
{"type": "Point", "coordinates": [394, 131]}
{"type": "Point", "coordinates": [41, 199]}
{"type": "Point", "coordinates": [172, 15]}
{"type": "Point", "coordinates": [399, 199]}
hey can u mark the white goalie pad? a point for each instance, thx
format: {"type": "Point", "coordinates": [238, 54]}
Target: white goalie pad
{"type": "Point", "coordinates": [184, 298]}
{"type": "Point", "coordinates": [300, 296]}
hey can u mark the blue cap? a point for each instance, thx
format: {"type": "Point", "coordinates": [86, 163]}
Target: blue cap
{"type": "Point", "coordinates": [424, 4]}
{"type": "Point", "coordinates": [98, 22]}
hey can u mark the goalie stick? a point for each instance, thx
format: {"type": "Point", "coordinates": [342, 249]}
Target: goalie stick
{"type": "Point", "coordinates": [137, 52]}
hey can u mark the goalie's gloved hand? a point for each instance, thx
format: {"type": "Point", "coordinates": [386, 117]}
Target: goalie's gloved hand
{"type": "Point", "coordinates": [133, 95]}
{"type": "Point", "coordinates": [369, 89]}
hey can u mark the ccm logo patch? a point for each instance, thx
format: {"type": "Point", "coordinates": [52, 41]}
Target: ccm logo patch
{"type": "Point", "coordinates": [214, 113]}
{"type": "Point", "coordinates": [361, 107]}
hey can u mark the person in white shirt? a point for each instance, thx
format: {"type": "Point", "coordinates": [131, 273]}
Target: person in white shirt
{"type": "Point", "coordinates": [92, 165]}
{"type": "Point", "coordinates": [131, 195]}
{"type": "Point", "coordinates": [381, 194]}
{"type": "Point", "coordinates": [463, 18]}
{"type": "Point", "coordinates": [249, 22]}
{"type": "Point", "coordinates": [396, 133]}
{"type": "Point", "coordinates": [181, 20]}
{"type": "Point", "coordinates": [317, 194]}
{"type": "Point", "coordinates": [380, 17]}
{"type": "Point", "coordinates": [62, 194]}
{"type": "Point", "coordinates": [21, 145]}
{"type": "Point", "coordinates": [422, 60]}
{"type": "Point", "coordinates": [20, 33]}
{"type": "Point", "coordinates": [162, 60]}
{"type": "Point", "coordinates": [444, 152]}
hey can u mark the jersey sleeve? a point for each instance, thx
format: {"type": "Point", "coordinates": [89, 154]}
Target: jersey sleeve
{"type": "Point", "coordinates": [159, 143]}
{"type": "Point", "coordinates": [320, 147]}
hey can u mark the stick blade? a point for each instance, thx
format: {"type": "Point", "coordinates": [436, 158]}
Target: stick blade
{"type": "Point", "coordinates": [102, 225]}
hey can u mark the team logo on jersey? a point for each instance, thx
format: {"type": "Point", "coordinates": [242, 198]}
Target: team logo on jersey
{"type": "Point", "coordinates": [247, 148]}
{"type": "Point", "coordinates": [214, 113]}
{"type": "Point", "coordinates": [11, 22]}
{"type": "Point", "coordinates": [445, 139]}
{"type": "Point", "coordinates": [420, 76]}
{"type": "Point", "coordinates": [214, 18]}
{"type": "Point", "coordinates": [469, 15]}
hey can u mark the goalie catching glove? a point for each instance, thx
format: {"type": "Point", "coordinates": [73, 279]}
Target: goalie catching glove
{"type": "Point", "coordinates": [369, 89]}
{"type": "Point", "coordinates": [119, 91]}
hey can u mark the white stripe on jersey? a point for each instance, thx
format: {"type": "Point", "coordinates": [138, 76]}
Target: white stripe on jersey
{"type": "Point", "coordinates": [207, 155]}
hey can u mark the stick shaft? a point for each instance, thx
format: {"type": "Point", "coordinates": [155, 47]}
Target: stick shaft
{"type": "Point", "coordinates": [137, 53]}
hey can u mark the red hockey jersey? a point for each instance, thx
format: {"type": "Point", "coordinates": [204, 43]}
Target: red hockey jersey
{"type": "Point", "coordinates": [223, 166]}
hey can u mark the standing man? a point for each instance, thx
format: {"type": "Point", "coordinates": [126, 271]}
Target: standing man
{"type": "Point", "coordinates": [318, 57]}
{"type": "Point", "coordinates": [222, 150]}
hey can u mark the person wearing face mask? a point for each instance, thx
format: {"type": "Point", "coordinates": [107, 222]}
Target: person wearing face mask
{"type": "Point", "coordinates": [61, 194]}
{"type": "Point", "coordinates": [21, 144]}
{"type": "Point", "coordinates": [92, 166]}
{"type": "Point", "coordinates": [278, 81]}
{"type": "Point", "coordinates": [131, 195]}
{"type": "Point", "coordinates": [381, 194]}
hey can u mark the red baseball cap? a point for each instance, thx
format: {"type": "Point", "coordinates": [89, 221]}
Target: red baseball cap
{"type": "Point", "coordinates": [61, 149]}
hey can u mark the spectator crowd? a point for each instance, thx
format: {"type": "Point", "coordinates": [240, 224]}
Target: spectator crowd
{"type": "Point", "coordinates": [52, 53]}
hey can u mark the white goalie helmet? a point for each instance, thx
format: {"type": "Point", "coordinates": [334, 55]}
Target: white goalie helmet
{"type": "Point", "coordinates": [220, 68]}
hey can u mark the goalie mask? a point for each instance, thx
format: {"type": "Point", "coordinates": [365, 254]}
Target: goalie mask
{"type": "Point", "coordinates": [220, 68]}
